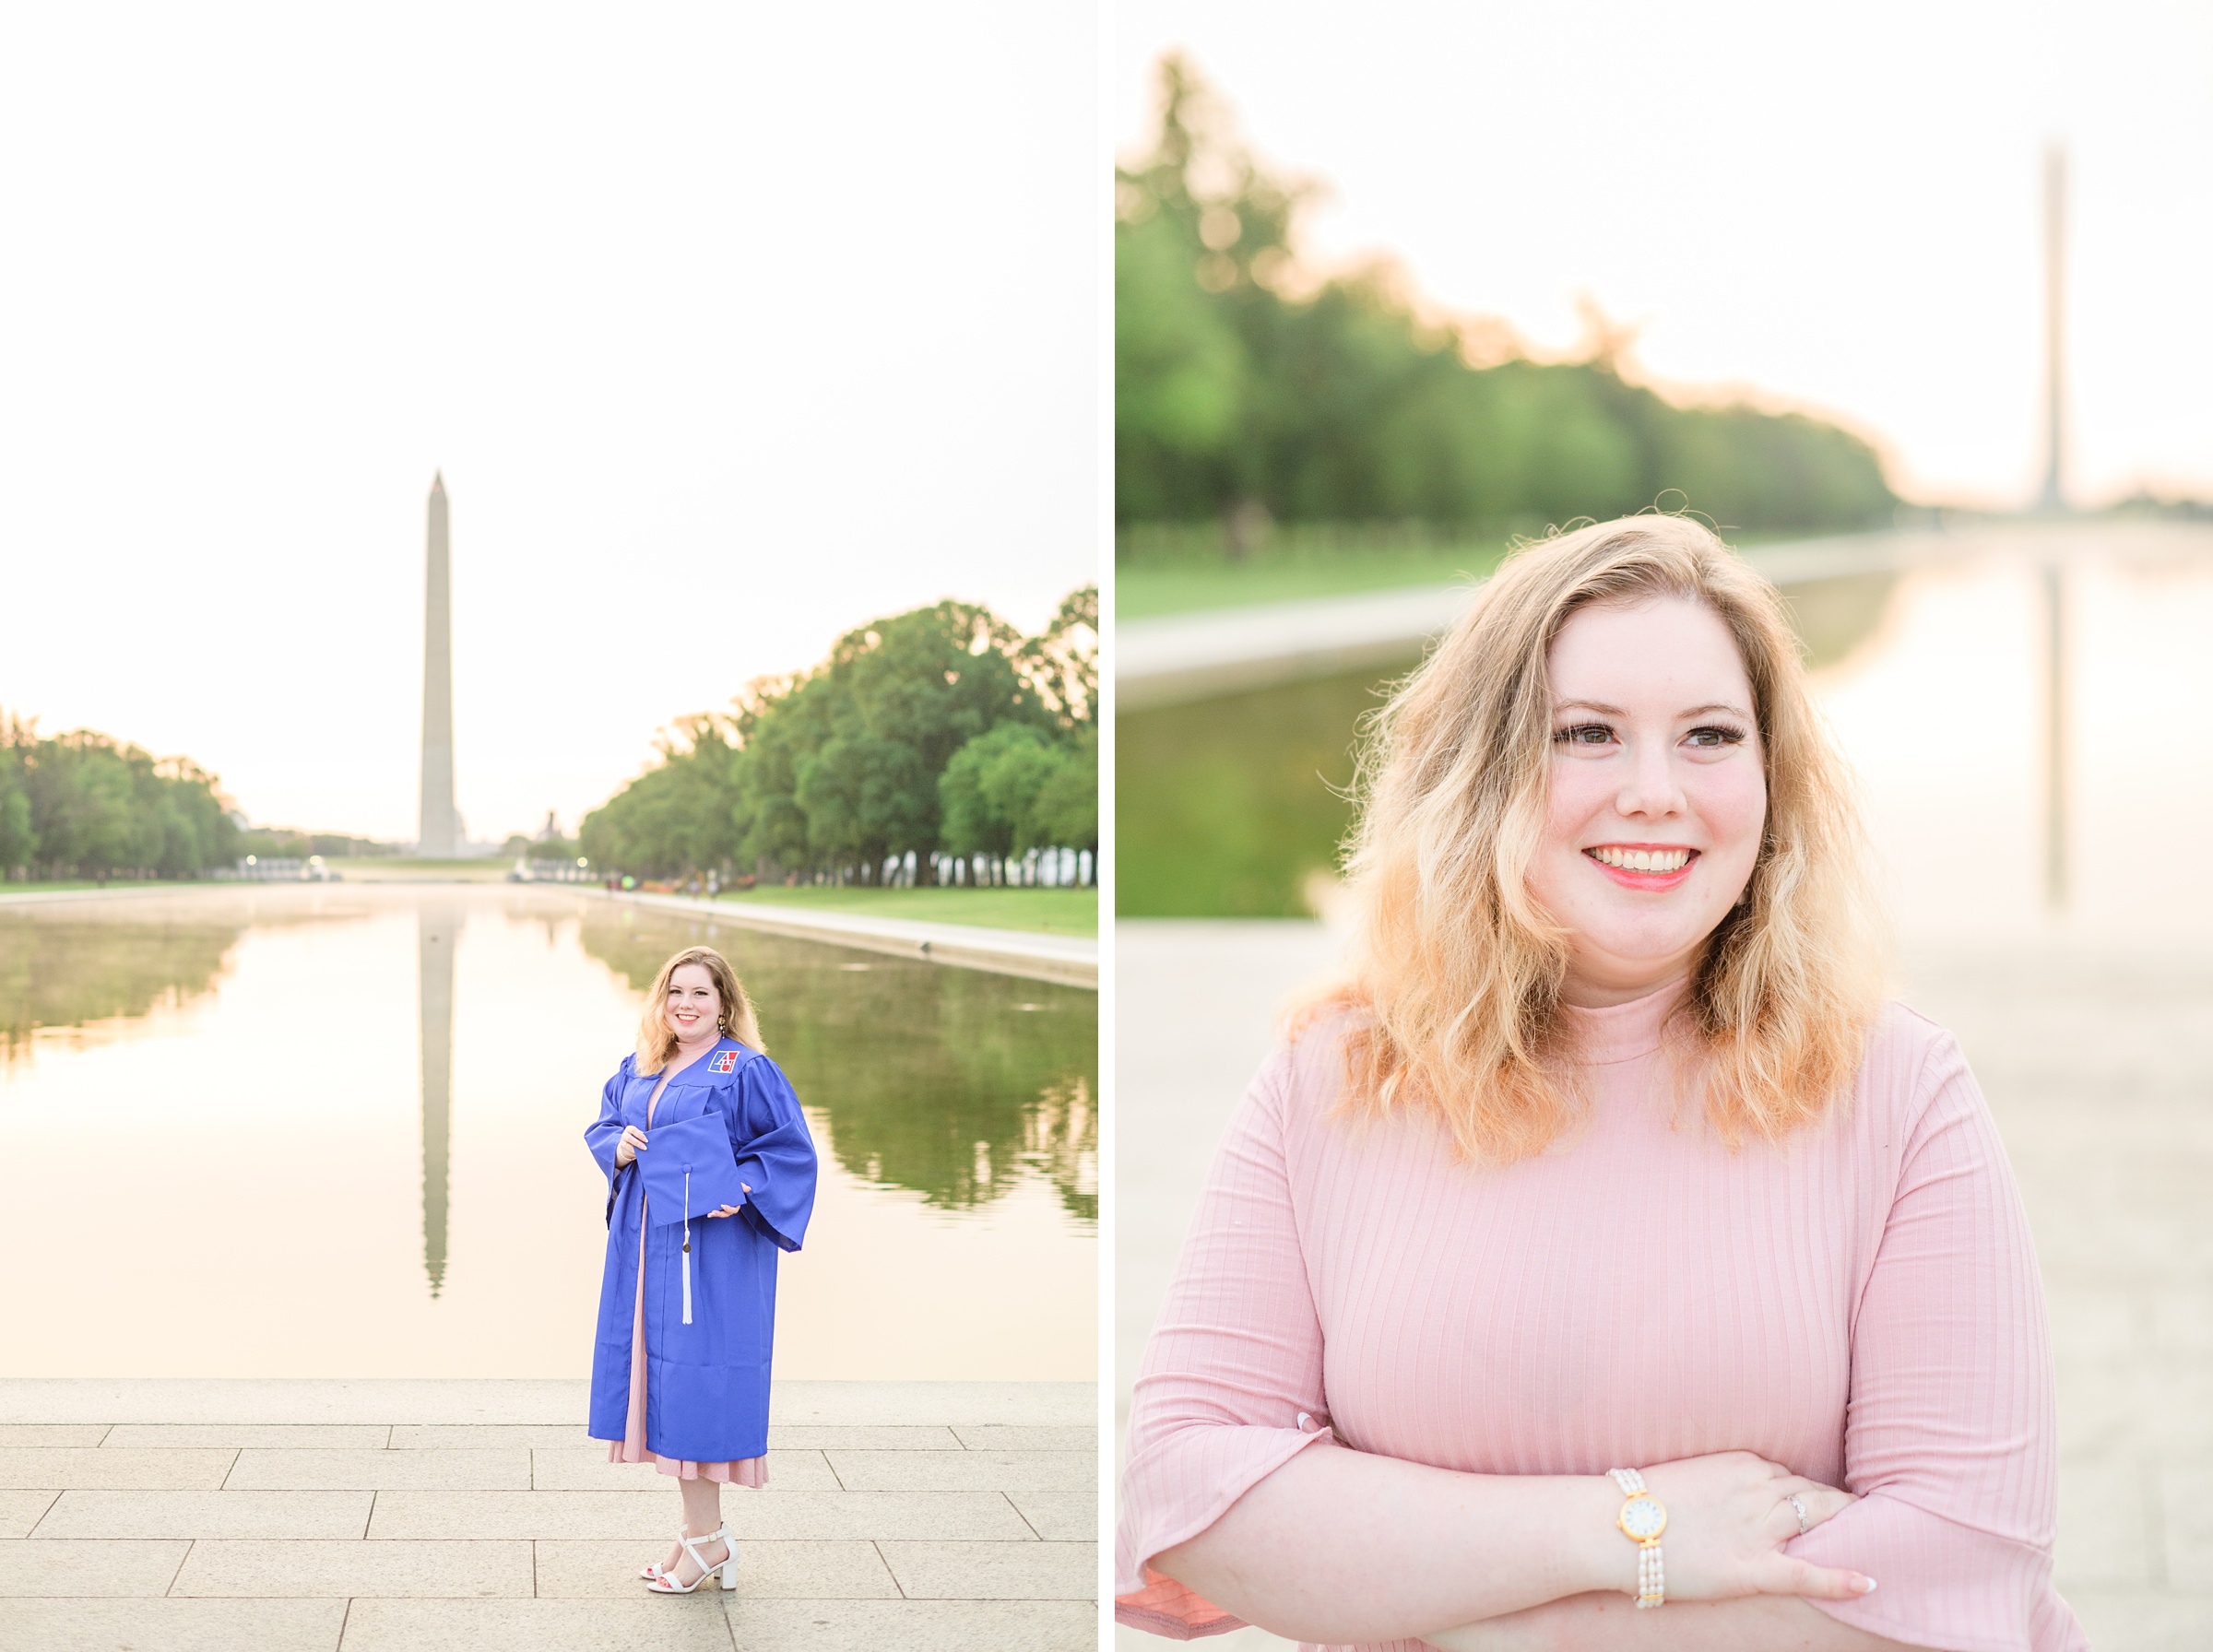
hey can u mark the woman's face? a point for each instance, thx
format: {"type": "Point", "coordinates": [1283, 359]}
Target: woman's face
{"type": "Point", "coordinates": [1658, 796]}
{"type": "Point", "coordinates": [692, 1007]}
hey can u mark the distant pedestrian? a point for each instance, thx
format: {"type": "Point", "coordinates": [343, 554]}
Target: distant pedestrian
{"type": "Point", "coordinates": [710, 1173]}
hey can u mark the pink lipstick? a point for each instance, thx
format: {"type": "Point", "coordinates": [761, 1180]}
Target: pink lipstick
{"type": "Point", "coordinates": [1619, 861]}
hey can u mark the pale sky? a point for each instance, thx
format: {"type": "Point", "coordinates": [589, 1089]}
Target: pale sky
{"type": "Point", "coordinates": [1835, 203]}
{"type": "Point", "coordinates": [729, 328]}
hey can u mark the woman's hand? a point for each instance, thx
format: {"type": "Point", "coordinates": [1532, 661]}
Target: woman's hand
{"type": "Point", "coordinates": [627, 1149]}
{"type": "Point", "coordinates": [1728, 1517]}
{"type": "Point", "coordinates": [732, 1209]}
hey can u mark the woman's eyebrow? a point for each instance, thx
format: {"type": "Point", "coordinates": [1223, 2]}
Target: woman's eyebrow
{"type": "Point", "coordinates": [1615, 711]}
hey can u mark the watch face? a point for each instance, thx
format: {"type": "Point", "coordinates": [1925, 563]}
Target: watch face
{"type": "Point", "coordinates": [1644, 1518]}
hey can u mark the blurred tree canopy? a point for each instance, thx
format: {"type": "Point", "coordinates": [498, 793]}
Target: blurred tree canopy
{"type": "Point", "coordinates": [550, 846]}
{"type": "Point", "coordinates": [838, 771]}
{"type": "Point", "coordinates": [1245, 392]}
{"type": "Point", "coordinates": [84, 804]}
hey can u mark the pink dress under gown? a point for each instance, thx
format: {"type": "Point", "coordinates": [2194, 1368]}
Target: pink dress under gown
{"type": "Point", "coordinates": [747, 1472]}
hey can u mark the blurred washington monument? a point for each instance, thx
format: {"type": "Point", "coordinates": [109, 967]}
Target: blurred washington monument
{"type": "Point", "coordinates": [2054, 495]}
{"type": "Point", "coordinates": [436, 832]}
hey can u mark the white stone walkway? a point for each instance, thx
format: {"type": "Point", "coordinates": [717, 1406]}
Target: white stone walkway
{"type": "Point", "coordinates": [1071, 959]}
{"type": "Point", "coordinates": [357, 1516]}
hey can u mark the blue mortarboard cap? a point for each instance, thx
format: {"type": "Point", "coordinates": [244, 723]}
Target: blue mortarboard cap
{"type": "Point", "coordinates": [689, 1170]}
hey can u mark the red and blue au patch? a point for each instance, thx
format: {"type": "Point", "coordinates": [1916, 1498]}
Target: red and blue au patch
{"type": "Point", "coordinates": [725, 1062]}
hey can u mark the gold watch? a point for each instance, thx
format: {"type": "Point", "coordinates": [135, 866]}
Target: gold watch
{"type": "Point", "coordinates": [1642, 1519]}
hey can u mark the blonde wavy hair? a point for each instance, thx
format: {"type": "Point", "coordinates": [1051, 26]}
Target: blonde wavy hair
{"type": "Point", "coordinates": [657, 1040]}
{"type": "Point", "coordinates": [1456, 969]}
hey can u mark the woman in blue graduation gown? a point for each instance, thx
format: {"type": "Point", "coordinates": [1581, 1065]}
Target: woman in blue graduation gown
{"type": "Point", "coordinates": [710, 1175]}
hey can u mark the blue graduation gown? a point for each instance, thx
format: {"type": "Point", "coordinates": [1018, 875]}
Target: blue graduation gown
{"type": "Point", "coordinates": [706, 1382]}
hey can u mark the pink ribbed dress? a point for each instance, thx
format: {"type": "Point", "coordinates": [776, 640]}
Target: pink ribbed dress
{"type": "Point", "coordinates": [1862, 1304]}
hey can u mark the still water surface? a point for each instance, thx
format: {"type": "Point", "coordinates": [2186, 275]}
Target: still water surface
{"type": "Point", "coordinates": [2022, 716]}
{"type": "Point", "coordinates": [337, 1131]}
{"type": "Point", "coordinates": [2001, 693]}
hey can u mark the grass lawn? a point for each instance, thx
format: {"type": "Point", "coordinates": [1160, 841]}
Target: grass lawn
{"type": "Point", "coordinates": [1046, 911]}
{"type": "Point", "coordinates": [1145, 591]}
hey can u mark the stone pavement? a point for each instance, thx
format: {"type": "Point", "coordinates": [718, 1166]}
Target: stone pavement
{"type": "Point", "coordinates": [2097, 1058]}
{"type": "Point", "coordinates": [2098, 1062]}
{"type": "Point", "coordinates": [355, 1516]}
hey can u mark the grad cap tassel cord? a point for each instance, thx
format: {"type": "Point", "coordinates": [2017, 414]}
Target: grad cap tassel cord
{"type": "Point", "coordinates": [687, 1247]}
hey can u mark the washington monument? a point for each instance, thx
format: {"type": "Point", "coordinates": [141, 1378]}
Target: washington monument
{"type": "Point", "coordinates": [2054, 496]}
{"type": "Point", "coordinates": [437, 835]}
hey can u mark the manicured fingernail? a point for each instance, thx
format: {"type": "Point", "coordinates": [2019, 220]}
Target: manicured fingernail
{"type": "Point", "coordinates": [1866, 1586]}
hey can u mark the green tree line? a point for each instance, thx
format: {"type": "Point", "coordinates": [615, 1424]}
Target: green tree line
{"type": "Point", "coordinates": [281, 843]}
{"type": "Point", "coordinates": [85, 804]}
{"type": "Point", "coordinates": [939, 732]}
{"type": "Point", "coordinates": [1245, 393]}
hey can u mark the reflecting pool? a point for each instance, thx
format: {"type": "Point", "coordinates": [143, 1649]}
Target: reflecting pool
{"type": "Point", "coordinates": [336, 1130]}
{"type": "Point", "coordinates": [2011, 699]}
{"type": "Point", "coordinates": [2019, 714]}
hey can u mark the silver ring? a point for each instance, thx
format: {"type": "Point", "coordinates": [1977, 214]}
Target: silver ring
{"type": "Point", "coordinates": [1798, 1508]}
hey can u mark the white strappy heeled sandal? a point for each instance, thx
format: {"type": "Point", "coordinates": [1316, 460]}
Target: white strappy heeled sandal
{"type": "Point", "coordinates": [652, 1568]}
{"type": "Point", "coordinates": [727, 1567]}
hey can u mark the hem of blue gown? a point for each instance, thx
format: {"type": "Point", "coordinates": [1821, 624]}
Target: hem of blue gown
{"type": "Point", "coordinates": [736, 1456]}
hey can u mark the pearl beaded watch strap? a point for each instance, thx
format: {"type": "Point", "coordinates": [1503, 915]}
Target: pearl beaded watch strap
{"type": "Point", "coordinates": [1641, 1520]}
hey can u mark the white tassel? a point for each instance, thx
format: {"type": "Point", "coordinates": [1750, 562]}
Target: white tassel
{"type": "Point", "coordinates": [687, 1247]}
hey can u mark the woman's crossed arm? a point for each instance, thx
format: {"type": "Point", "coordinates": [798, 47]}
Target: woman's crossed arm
{"type": "Point", "coordinates": [1341, 1546]}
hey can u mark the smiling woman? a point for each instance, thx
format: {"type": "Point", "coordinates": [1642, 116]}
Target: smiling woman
{"type": "Point", "coordinates": [1604, 1234]}
{"type": "Point", "coordinates": [1640, 747]}
{"type": "Point", "coordinates": [690, 1392]}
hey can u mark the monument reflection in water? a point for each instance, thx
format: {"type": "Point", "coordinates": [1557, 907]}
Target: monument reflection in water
{"type": "Point", "coordinates": [339, 1133]}
{"type": "Point", "coordinates": [435, 928]}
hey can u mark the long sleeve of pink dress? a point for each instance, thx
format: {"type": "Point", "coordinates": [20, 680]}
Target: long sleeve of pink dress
{"type": "Point", "coordinates": [1861, 1303]}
